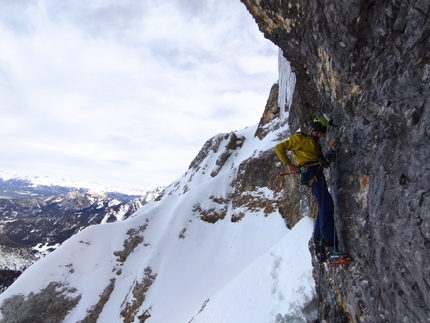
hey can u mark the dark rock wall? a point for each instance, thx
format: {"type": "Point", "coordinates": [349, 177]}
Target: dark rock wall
{"type": "Point", "coordinates": [367, 64]}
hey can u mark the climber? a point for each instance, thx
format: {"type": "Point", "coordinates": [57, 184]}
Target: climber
{"type": "Point", "coordinates": [310, 161]}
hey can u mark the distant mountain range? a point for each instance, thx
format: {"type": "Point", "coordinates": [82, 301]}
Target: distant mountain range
{"type": "Point", "coordinates": [14, 186]}
{"type": "Point", "coordinates": [38, 214]}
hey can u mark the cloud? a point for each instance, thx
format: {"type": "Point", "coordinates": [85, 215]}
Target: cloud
{"type": "Point", "coordinates": [126, 93]}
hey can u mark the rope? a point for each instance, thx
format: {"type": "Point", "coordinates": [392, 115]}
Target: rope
{"type": "Point", "coordinates": [335, 216]}
{"type": "Point", "coordinates": [321, 223]}
{"type": "Point", "coordinates": [319, 296]}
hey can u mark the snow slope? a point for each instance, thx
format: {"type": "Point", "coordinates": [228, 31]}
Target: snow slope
{"type": "Point", "coordinates": [276, 287]}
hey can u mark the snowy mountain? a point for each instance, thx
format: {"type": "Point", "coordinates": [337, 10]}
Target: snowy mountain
{"type": "Point", "coordinates": [15, 186]}
{"type": "Point", "coordinates": [213, 248]}
{"type": "Point", "coordinates": [33, 227]}
{"type": "Point", "coordinates": [47, 222]}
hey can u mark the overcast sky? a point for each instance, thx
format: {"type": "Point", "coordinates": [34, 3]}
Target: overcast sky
{"type": "Point", "coordinates": [125, 93]}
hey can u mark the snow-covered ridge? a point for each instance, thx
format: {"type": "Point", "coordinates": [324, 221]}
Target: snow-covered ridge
{"type": "Point", "coordinates": [36, 181]}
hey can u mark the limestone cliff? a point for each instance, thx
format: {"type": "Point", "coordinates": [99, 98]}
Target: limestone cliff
{"type": "Point", "coordinates": [367, 64]}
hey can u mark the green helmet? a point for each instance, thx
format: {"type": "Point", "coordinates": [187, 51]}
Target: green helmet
{"type": "Point", "coordinates": [319, 124]}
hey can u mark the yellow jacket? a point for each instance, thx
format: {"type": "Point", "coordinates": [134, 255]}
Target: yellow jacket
{"type": "Point", "coordinates": [305, 148]}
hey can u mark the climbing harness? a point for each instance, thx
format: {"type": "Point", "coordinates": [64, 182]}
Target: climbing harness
{"type": "Point", "coordinates": [303, 179]}
{"type": "Point", "coordinates": [303, 184]}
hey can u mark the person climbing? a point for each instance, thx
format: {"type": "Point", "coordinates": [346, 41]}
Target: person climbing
{"type": "Point", "coordinates": [310, 162]}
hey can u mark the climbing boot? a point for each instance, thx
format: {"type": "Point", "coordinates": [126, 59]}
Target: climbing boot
{"type": "Point", "coordinates": [336, 257]}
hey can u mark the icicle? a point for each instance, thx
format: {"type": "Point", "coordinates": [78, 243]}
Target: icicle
{"type": "Point", "coordinates": [287, 82]}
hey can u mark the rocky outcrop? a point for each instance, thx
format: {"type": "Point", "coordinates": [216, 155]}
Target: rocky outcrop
{"type": "Point", "coordinates": [271, 112]}
{"type": "Point", "coordinates": [57, 295]}
{"type": "Point", "coordinates": [367, 64]}
{"type": "Point", "coordinates": [263, 171]}
{"type": "Point", "coordinates": [228, 142]}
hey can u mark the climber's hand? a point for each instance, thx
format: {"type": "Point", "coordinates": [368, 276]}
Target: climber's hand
{"type": "Point", "coordinates": [293, 169]}
{"type": "Point", "coordinates": [333, 144]}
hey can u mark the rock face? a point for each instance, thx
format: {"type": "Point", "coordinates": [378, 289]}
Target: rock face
{"type": "Point", "coordinates": [367, 65]}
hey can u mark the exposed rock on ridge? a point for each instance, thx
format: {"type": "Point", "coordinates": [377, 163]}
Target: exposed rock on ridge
{"type": "Point", "coordinates": [271, 111]}
{"type": "Point", "coordinates": [367, 64]}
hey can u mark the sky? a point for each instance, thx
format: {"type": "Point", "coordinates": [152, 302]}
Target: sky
{"type": "Point", "coordinates": [252, 270]}
{"type": "Point", "coordinates": [125, 93]}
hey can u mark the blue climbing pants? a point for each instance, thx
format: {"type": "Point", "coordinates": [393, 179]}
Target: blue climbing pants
{"type": "Point", "coordinates": [324, 230]}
